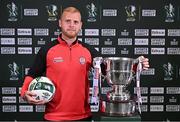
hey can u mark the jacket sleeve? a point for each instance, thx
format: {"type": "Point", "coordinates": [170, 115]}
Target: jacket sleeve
{"type": "Point", "coordinates": [37, 69]}
{"type": "Point", "coordinates": [25, 86]}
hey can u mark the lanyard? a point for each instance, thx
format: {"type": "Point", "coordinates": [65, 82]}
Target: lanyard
{"type": "Point", "coordinates": [96, 79]}
{"type": "Point", "coordinates": [138, 90]}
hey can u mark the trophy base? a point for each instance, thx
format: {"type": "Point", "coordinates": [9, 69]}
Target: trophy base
{"type": "Point", "coordinates": [135, 118]}
{"type": "Point", "coordinates": [109, 108]}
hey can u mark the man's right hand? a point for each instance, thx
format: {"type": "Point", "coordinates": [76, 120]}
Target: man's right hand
{"type": "Point", "coordinates": [29, 96]}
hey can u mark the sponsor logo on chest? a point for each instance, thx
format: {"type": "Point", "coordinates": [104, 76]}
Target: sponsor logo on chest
{"type": "Point", "coordinates": [58, 59]}
{"type": "Point", "coordinates": [82, 60]}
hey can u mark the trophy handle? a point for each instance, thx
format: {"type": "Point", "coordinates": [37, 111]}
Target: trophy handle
{"type": "Point", "coordinates": [105, 70]}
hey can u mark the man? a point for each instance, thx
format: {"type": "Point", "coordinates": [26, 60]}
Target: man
{"type": "Point", "coordinates": [66, 61]}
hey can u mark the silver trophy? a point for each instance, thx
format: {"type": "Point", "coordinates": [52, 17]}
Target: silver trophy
{"type": "Point", "coordinates": [52, 12]}
{"type": "Point", "coordinates": [13, 12]}
{"type": "Point", "coordinates": [118, 72]}
{"type": "Point", "coordinates": [92, 12]}
{"type": "Point", "coordinates": [170, 13]}
{"type": "Point", "coordinates": [131, 13]}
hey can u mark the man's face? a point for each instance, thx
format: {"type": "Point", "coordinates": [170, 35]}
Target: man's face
{"type": "Point", "coordinates": [70, 24]}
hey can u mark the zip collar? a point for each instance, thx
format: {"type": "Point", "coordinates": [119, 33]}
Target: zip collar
{"type": "Point", "coordinates": [63, 42]}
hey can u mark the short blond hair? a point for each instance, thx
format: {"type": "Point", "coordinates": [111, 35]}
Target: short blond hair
{"type": "Point", "coordinates": [71, 10]}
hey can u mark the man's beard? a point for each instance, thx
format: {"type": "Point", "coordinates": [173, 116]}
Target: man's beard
{"type": "Point", "coordinates": [70, 34]}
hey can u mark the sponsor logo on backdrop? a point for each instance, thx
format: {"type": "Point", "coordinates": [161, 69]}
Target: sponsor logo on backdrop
{"type": "Point", "coordinates": [24, 41]}
{"type": "Point", "coordinates": [141, 41]}
{"type": "Point", "coordinates": [36, 50]}
{"type": "Point", "coordinates": [150, 71]}
{"type": "Point", "coordinates": [92, 41]}
{"type": "Point", "coordinates": [144, 90]}
{"type": "Point", "coordinates": [131, 13]}
{"type": "Point", "coordinates": [7, 41]}
{"type": "Point", "coordinates": [30, 12]}
{"type": "Point", "coordinates": [172, 90]}
{"type": "Point", "coordinates": [156, 108]}
{"type": "Point", "coordinates": [124, 51]}
{"type": "Point", "coordinates": [156, 99]}
{"type": "Point", "coordinates": [140, 50]}
{"type": "Point", "coordinates": [157, 90]}
{"type": "Point", "coordinates": [13, 11]}
{"type": "Point", "coordinates": [91, 32]}
{"type": "Point", "coordinates": [173, 51]}
{"type": "Point", "coordinates": [157, 41]}
{"type": "Point", "coordinates": [144, 99]}
{"type": "Point", "coordinates": [124, 41]}
{"type": "Point", "coordinates": [174, 42]}
{"type": "Point", "coordinates": [8, 90]}
{"type": "Point", "coordinates": [108, 42]}
{"type": "Point", "coordinates": [41, 31]}
{"type": "Point", "coordinates": [41, 41]}
{"type": "Point", "coordinates": [14, 71]}
{"type": "Point", "coordinates": [124, 33]}
{"type": "Point", "coordinates": [109, 12]}
{"type": "Point", "coordinates": [8, 99]}
{"type": "Point", "coordinates": [57, 32]}
{"type": "Point", "coordinates": [21, 100]}
{"type": "Point", "coordinates": [97, 48]}
{"type": "Point", "coordinates": [141, 32]}
{"type": "Point", "coordinates": [105, 90]}
{"type": "Point", "coordinates": [172, 108]}
{"type": "Point", "coordinates": [158, 32]}
{"type": "Point", "coordinates": [52, 12]}
{"type": "Point", "coordinates": [7, 31]}
{"type": "Point", "coordinates": [169, 13]}
{"type": "Point", "coordinates": [24, 32]}
{"type": "Point", "coordinates": [80, 39]}
{"type": "Point", "coordinates": [26, 71]}
{"type": "Point", "coordinates": [173, 100]}
{"type": "Point", "coordinates": [173, 32]}
{"type": "Point", "coordinates": [9, 108]}
{"type": "Point", "coordinates": [24, 50]}
{"type": "Point", "coordinates": [158, 51]}
{"type": "Point", "coordinates": [25, 108]}
{"type": "Point", "coordinates": [94, 108]}
{"type": "Point", "coordinates": [80, 33]}
{"type": "Point", "coordinates": [148, 13]}
{"type": "Point", "coordinates": [40, 108]}
{"type": "Point", "coordinates": [7, 50]}
{"type": "Point", "coordinates": [144, 108]}
{"type": "Point", "coordinates": [108, 32]}
{"type": "Point", "coordinates": [108, 50]}
{"type": "Point", "coordinates": [52, 39]}
{"type": "Point", "coordinates": [20, 90]}
{"type": "Point", "coordinates": [168, 71]}
{"type": "Point", "coordinates": [92, 12]}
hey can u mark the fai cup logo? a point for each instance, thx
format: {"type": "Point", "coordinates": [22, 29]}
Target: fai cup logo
{"type": "Point", "coordinates": [14, 71]}
{"type": "Point", "coordinates": [169, 13]}
{"type": "Point", "coordinates": [131, 13]}
{"type": "Point", "coordinates": [13, 12]}
{"type": "Point", "coordinates": [52, 12]}
{"type": "Point", "coordinates": [92, 12]}
{"type": "Point", "coordinates": [168, 71]}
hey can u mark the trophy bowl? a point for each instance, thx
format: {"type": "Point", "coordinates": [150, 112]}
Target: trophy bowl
{"type": "Point", "coordinates": [118, 70]}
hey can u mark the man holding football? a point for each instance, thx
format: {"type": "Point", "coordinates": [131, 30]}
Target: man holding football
{"type": "Point", "coordinates": [65, 61]}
